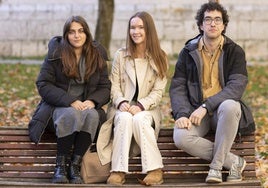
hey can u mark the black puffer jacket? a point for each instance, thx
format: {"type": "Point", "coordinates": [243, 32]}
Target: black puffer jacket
{"type": "Point", "coordinates": [52, 86]}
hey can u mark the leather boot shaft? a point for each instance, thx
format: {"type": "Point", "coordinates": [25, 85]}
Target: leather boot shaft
{"type": "Point", "coordinates": [74, 170]}
{"type": "Point", "coordinates": [60, 172]}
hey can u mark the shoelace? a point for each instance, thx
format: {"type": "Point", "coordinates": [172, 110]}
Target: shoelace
{"type": "Point", "coordinates": [62, 170]}
{"type": "Point", "coordinates": [234, 171]}
{"type": "Point", "coordinates": [213, 172]}
{"type": "Point", "coordinates": [76, 169]}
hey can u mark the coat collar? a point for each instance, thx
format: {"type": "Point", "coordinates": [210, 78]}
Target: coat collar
{"type": "Point", "coordinates": [149, 58]}
{"type": "Point", "coordinates": [192, 44]}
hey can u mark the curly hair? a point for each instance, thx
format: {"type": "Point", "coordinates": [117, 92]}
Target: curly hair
{"type": "Point", "coordinates": [211, 6]}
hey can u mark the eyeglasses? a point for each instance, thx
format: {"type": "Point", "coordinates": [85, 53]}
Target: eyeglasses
{"type": "Point", "coordinates": [208, 20]}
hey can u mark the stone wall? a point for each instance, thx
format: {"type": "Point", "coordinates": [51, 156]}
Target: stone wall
{"type": "Point", "coordinates": [27, 25]}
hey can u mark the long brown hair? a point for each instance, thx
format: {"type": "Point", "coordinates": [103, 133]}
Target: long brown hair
{"type": "Point", "coordinates": [93, 58]}
{"type": "Point", "coordinates": [152, 43]}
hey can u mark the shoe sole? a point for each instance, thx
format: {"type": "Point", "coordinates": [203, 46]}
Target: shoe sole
{"type": "Point", "coordinates": [116, 183]}
{"type": "Point", "coordinates": [213, 180]}
{"type": "Point", "coordinates": [150, 184]}
{"type": "Point", "coordinates": [76, 181]}
{"type": "Point", "coordinates": [244, 166]}
{"type": "Point", "coordinates": [61, 181]}
{"type": "Point", "coordinates": [234, 180]}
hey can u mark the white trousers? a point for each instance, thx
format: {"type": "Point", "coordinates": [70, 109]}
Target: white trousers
{"type": "Point", "coordinates": [140, 126]}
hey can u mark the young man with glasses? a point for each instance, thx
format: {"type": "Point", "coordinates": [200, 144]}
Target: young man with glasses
{"type": "Point", "coordinates": [206, 89]}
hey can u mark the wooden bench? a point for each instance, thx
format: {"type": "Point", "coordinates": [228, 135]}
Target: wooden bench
{"type": "Point", "coordinates": [23, 163]}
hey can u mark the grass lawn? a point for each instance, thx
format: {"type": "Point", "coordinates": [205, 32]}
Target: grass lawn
{"type": "Point", "coordinates": [19, 97]}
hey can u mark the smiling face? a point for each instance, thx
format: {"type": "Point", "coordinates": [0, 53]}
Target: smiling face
{"type": "Point", "coordinates": [137, 31]}
{"type": "Point", "coordinates": [214, 29]}
{"type": "Point", "coordinates": [76, 35]}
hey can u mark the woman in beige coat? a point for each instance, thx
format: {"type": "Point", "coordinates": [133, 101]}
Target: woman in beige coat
{"type": "Point", "coordinates": [138, 82]}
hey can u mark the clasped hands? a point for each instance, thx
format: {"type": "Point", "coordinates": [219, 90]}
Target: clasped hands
{"type": "Point", "coordinates": [126, 107]}
{"type": "Point", "coordinates": [195, 118]}
{"type": "Point", "coordinates": [79, 105]}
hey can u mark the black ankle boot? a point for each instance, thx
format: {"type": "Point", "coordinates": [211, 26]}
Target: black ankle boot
{"type": "Point", "coordinates": [74, 172]}
{"type": "Point", "coordinates": [60, 173]}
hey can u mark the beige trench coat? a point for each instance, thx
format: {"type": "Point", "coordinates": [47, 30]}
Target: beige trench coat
{"type": "Point", "coordinates": [151, 89]}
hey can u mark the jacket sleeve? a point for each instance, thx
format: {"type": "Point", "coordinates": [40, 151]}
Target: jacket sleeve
{"type": "Point", "coordinates": [178, 90]}
{"type": "Point", "coordinates": [47, 87]}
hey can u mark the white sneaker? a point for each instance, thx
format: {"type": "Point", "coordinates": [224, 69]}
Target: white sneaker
{"type": "Point", "coordinates": [214, 176]}
{"type": "Point", "coordinates": [235, 173]}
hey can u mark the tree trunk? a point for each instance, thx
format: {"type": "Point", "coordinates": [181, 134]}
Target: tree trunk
{"type": "Point", "coordinates": [105, 23]}
{"type": "Point", "coordinates": [216, 1]}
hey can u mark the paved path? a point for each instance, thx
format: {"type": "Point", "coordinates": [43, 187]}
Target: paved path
{"type": "Point", "coordinates": [22, 61]}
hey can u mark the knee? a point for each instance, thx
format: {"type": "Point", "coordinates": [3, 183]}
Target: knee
{"type": "Point", "coordinates": [230, 107]}
{"type": "Point", "coordinates": [180, 138]}
{"type": "Point", "coordinates": [123, 119]}
{"type": "Point", "coordinates": [142, 116]}
{"type": "Point", "coordinates": [92, 117]}
{"type": "Point", "coordinates": [142, 119]}
{"type": "Point", "coordinates": [71, 113]}
{"type": "Point", "coordinates": [123, 116]}
{"type": "Point", "coordinates": [92, 113]}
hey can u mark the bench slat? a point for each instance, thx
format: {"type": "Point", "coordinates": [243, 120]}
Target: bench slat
{"type": "Point", "coordinates": [10, 131]}
{"type": "Point", "coordinates": [28, 168]}
{"type": "Point", "coordinates": [25, 138]}
{"type": "Point", "coordinates": [30, 175]}
{"type": "Point", "coordinates": [186, 160]}
{"type": "Point", "coordinates": [193, 168]}
{"type": "Point", "coordinates": [32, 146]}
{"type": "Point", "coordinates": [180, 153]}
{"type": "Point", "coordinates": [31, 160]}
{"type": "Point", "coordinates": [168, 138]}
{"type": "Point", "coordinates": [171, 146]}
{"type": "Point", "coordinates": [12, 153]}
